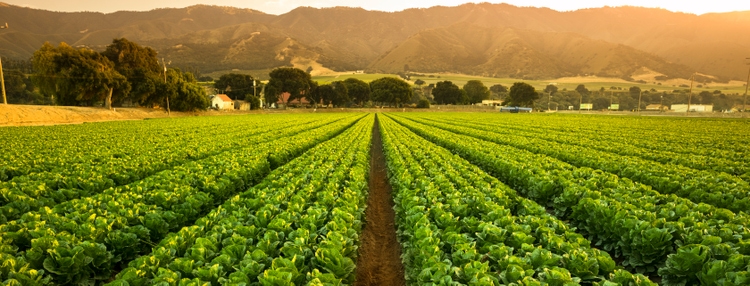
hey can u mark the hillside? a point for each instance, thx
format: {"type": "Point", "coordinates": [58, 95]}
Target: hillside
{"type": "Point", "coordinates": [503, 39]}
{"type": "Point", "coordinates": [509, 52]}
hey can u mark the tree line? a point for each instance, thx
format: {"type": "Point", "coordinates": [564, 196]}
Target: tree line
{"type": "Point", "coordinates": [289, 86]}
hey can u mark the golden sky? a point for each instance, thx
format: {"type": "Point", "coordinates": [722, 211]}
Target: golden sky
{"type": "Point", "coordinates": [283, 6]}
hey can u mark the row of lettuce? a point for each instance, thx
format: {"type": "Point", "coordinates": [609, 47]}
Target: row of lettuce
{"type": "Point", "coordinates": [460, 226]}
{"type": "Point", "coordinates": [683, 242]}
{"type": "Point", "coordinates": [83, 240]}
{"type": "Point", "coordinates": [716, 137]}
{"type": "Point", "coordinates": [702, 143]}
{"type": "Point", "coordinates": [51, 149]}
{"type": "Point", "coordinates": [134, 154]}
{"type": "Point", "coordinates": [299, 226]}
{"type": "Point", "coordinates": [682, 150]}
{"type": "Point", "coordinates": [703, 186]}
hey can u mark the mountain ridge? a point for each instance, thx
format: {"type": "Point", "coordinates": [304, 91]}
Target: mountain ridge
{"type": "Point", "coordinates": [347, 38]}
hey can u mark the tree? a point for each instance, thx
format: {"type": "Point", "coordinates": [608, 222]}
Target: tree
{"type": "Point", "coordinates": [292, 80]}
{"type": "Point", "coordinates": [476, 91]}
{"type": "Point", "coordinates": [706, 97]}
{"type": "Point", "coordinates": [18, 88]}
{"type": "Point", "coordinates": [184, 92]}
{"type": "Point", "coordinates": [340, 95]}
{"type": "Point", "coordinates": [521, 94]}
{"type": "Point", "coordinates": [498, 91]}
{"type": "Point", "coordinates": [140, 67]}
{"type": "Point", "coordinates": [322, 94]}
{"type": "Point", "coordinates": [498, 88]}
{"type": "Point", "coordinates": [582, 89]}
{"type": "Point", "coordinates": [77, 76]}
{"type": "Point", "coordinates": [550, 88]}
{"type": "Point", "coordinates": [445, 92]}
{"type": "Point", "coordinates": [419, 82]}
{"type": "Point", "coordinates": [253, 100]}
{"type": "Point", "coordinates": [635, 92]}
{"type": "Point", "coordinates": [390, 90]}
{"type": "Point", "coordinates": [359, 91]}
{"type": "Point", "coordinates": [236, 86]}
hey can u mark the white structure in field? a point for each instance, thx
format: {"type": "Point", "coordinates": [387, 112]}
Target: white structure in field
{"type": "Point", "coordinates": [222, 101]}
{"type": "Point", "coordinates": [693, 108]}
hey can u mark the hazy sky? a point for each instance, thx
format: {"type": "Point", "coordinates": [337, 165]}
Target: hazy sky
{"type": "Point", "coordinates": [283, 6]}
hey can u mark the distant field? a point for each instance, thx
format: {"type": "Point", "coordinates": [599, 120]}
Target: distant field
{"type": "Point", "coordinates": [570, 83]}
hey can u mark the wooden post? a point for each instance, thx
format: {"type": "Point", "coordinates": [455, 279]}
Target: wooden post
{"type": "Point", "coordinates": [639, 100]}
{"type": "Point", "coordinates": [690, 96]}
{"type": "Point", "coordinates": [744, 101]}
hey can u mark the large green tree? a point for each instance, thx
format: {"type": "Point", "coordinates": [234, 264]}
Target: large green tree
{"type": "Point", "coordinates": [521, 94]}
{"type": "Point", "coordinates": [76, 76]}
{"type": "Point", "coordinates": [19, 88]}
{"type": "Point", "coordinates": [340, 95]}
{"type": "Point", "coordinates": [476, 91]}
{"type": "Point", "coordinates": [446, 92]}
{"type": "Point", "coordinates": [635, 92]}
{"type": "Point", "coordinates": [140, 67]}
{"type": "Point", "coordinates": [236, 86]}
{"type": "Point", "coordinates": [292, 80]}
{"type": "Point", "coordinates": [390, 90]}
{"type": "Point", "coordinates": [359, 91]}
{"type": "Point", "coordinates": [551, 89]}
{"type": "Point", "coordinates": [183, 91]}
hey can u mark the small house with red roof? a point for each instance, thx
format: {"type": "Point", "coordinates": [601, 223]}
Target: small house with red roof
{"type": "Point", "coordinates": [221, 102]}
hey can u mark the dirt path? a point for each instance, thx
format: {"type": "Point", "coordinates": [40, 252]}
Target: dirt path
{"type": "Point", "coordinates": [379, 261]}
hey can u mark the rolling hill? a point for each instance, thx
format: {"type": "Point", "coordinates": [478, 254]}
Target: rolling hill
{"type": "Point", "coordinates": [487, 39]}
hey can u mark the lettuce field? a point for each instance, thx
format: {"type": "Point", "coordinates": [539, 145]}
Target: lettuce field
{"type": "Point", "coordinates": [401, 198]}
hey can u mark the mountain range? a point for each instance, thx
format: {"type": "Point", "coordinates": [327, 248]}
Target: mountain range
{"type": "Point", "coordinates": [497, 40]}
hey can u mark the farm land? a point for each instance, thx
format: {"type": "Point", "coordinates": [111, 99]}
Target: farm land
{"type": "Point", "coordinates": [401, 198]}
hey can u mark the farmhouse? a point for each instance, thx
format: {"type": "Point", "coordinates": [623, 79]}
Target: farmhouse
{"type": "Point", "coordinates": [222, 101]}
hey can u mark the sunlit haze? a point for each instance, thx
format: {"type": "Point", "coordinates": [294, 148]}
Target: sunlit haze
{"type": "Point", "coordinates": [283, 6]}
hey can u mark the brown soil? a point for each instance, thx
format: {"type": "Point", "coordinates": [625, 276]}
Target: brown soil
{"type": "Point", "coordinates": [379, 260]}
{"type": "Point", "coordinates": [30, 115]}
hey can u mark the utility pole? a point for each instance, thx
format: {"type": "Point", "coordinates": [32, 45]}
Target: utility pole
{"type": "Point", "coordinates": [2, 81]}
{"type": "Point", "coordinates": [661, 103]}
{"type": "Point", "coordinates": [2, 78]}
{"type": "Point", "coordinates": [744, 101]}
{"type": "Point", "coordinates": [169, 113]}
{"type": "Point", "coordinates": [690, 96]}
{"type": "Point", "coordinates": [580, 102]}
{"type": "Point", "coordinates": [640, 93]}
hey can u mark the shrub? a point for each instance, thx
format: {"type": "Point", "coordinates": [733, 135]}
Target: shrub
{"type": "Point", "coordinates": [423, 103]}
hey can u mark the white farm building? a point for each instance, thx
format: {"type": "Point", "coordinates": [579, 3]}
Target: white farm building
{"type": "Point", "coordinates": [222, 101]}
